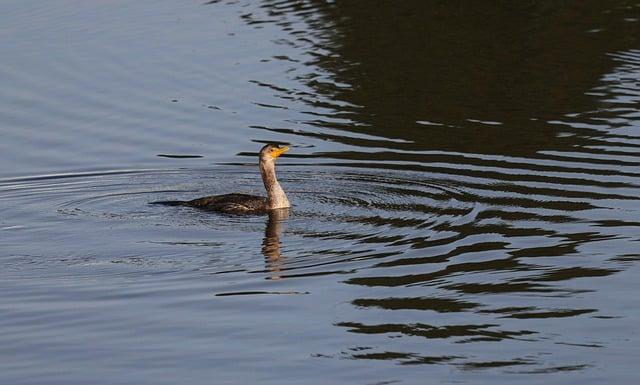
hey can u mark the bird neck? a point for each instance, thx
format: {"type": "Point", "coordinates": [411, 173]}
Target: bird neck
{"type": "Point", "coordinates": [276, 198]}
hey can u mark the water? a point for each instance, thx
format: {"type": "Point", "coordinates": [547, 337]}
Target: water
{"type": "Point", "coordinates": [464, 180]}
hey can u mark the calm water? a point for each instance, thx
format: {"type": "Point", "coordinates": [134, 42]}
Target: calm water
{"type": "Point", "coordinates": [464, 177]}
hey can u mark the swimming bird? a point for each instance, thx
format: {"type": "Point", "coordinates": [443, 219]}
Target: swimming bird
{"type": "Point", "coordinates": [236, 203]}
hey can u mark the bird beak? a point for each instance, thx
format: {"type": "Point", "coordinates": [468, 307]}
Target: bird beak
{"type": "Point", "coordinates": [279, 151]}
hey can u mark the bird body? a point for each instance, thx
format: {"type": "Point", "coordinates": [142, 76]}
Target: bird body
{"type": "Point", "coordinates": [230, 203]}
{"type": "Point", "coordinates": [236, 203]}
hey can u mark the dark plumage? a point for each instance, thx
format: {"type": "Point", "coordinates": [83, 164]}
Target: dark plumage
{"type": "Point", "coordinates": [236, 203]}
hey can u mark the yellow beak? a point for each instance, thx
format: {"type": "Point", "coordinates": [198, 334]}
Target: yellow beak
{"type": "Point", "coordinates": [276, 152]}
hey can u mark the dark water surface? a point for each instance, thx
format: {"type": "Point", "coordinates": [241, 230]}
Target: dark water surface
{"type": "Point", "coordinates": [464, 177]}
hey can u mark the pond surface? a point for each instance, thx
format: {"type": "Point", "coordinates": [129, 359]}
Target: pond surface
{"type": "Point", "coordinates": [464, 179]}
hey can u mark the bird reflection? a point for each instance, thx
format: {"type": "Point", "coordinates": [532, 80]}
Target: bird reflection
{"type": "Point", "coordinates": [271, 242]}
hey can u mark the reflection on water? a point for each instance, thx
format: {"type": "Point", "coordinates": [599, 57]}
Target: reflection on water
{"type": "Point", "coordinates": [464, 180]}
{"type": "Point", "coordinates": [271, 242]}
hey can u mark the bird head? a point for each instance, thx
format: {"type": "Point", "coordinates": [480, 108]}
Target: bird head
{"type": "Point", "coordinates": [271, 152]}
